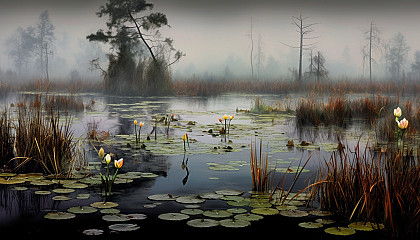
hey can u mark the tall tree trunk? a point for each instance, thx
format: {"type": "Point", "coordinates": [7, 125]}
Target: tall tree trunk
{"type": "Point", "coordinates": [300, 51]}
{"type": "Point", "coordinates": [370, 52]}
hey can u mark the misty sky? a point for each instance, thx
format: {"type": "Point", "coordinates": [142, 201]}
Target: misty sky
{"type": "Point", "coordinates": [215, 34]}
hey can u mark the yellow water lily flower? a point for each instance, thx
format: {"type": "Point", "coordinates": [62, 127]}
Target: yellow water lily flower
{"type": "Point", "coordinates": [225, 117]}
{"type": "Point", "coordinates": [135, 122]}
{"type": "Point", "coordinates": [141, 124]}
{"type": "Point", "coordinates": [185, 137]}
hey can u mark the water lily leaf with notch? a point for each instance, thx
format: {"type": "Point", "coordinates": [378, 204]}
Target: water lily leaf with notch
{"type": "Point", "coordinates": [310, 225]}
{"type": "Point", "coordinates": [190, 199]}
{"type": "Point", "coordinates": [104, 204]}
{"type": "Point", "coordinates": [82, 209]}
{"type": "Point", "coordinates": [162, 197]}
{"type": "Point", "coordinates": [217, 213]}
{"type": "Point", "coordinates": [61, 198]}
{"type": "Point", "coordinates": [260, 205]}
{"type": "Point", "coordinates": [211, 196]}
{"type": "Point", "coordinates": [237, 210]}
{"type": "Point", "coordinates": [75, 185]}
{"type": "Point", "coordinates": [136, 216]}
{"type": "Point", "coordinates": [40, 192]}
{"type": "Point", "coordinates": [324, 221]}
{"type": "Point", "coordinates": [93, 232]}
{"type": "Point", "coordinates": [364, 226]}
{"type": "Point", "coordinates": [192, 211]}
{"type": "Point", "coordinates": [229, 192]}
{"type": "Point", "coordinates": [203, 223]}
{"type": "Point", "coordinates": [121, 227]}
{"type": "Point", "coordinates": [248, 217]}
{"type": "Point", "coordinates": [341, 231]}
{"type": "Point", "coordinates": [83, 196]}
{"type": "Point", "coordinates": [294, 213]}
{"type": "Point", "coordinates": [63, 190]}
{"type": "Point", "coordinates": [265, 211]}
{"type": "Point", "coordinates": [115, 218]}
{"type": "Point", "coordinates": [10, 181]}
{"type": "Point", "coordinates": [320, 213]}
{"type": "Point", "coordinates": [234, 223]}
{"type": "Point", "coordinates": [173, 216]}
{"type": "Point", "coordinates": [110, 211]}
{"type": "Point", "coordinates": [59, 215]}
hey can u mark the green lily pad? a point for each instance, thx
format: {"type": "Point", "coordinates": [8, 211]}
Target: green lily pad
{"type": "Point", "coordinates": [6, 174]}
{"type": "Point", "coordinates": [162, 197]}
{"type": "Point", "coordinates": [324, 221]}
{"type": "Point", "coordinates": [136, 216]}
{"type": "Point", "coordinates": [173, 216]}
{"type": "Point", "coordinates": [121, 227]}
{"type": "Point", "coordinates": [75, 185]}
{"type": "Point", "coordinates": [310, 225]}
{"type": "Point", "coordinates": [286, 207]}
{"type": "Point", "coordinates": [19, 188]}
{"type": "Point", "coordinates": [110, 211]}
{"type": "Point", "coordinates": [260, 205]}
{"type": "Point", "coordinates": [104, 204]}
{"type": "Point", "coordinates": [203, 223]}
{"type": "Point", "coordinates": [61, 198]}
{"type": "Point", "coordinates": [294, 213]}
{"type": "Point", "coordinates": [59, 215]}
{"type": "Point", "coordinates": [115, 218]}
{"type": "Point", "coordinates": [229, 192]}
{"type": "Point", "coordinates": [320, 213]}
{"type": "Point", "coordinates": [190, 200]}
{"type": "Point", "coordinates": [42, 182]}
{"type": "Point", "coordinates": [234, 223]}
{"type": "Point", "coordinates": [93, 232]}
{"type": "Point", "coordinates": [341, 231]}
{"type": "Point", "coordinates": [265, 211]}
{"type": "Point", "coordinates": [363, 226]}
{"type": "Point", "coordinates": [10, 181]}
{"type": "Point", "coordinates": [83, 196]}
{"type": "Point", "coordinates": [237, 210]}
{"type": "Point", "coordinates": [42, 192]}
{"type": "Point", "coordinates": [217, 213]}
{"type": "Point", "coordinates": [63, 190]}
{"type": "Point", "coordinates": [248, 217]}
{"type": "Point", "coordinates": [82, 209]}
{"type": "Point", "coordinates": [192, 211]}
{"type": "Point", "coordinates": [211, 196]}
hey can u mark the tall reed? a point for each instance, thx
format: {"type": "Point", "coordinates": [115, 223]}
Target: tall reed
{"type": "Point", "coordinates": [260, 173]}
{"type": "Point", "coordinates": [380, 187]}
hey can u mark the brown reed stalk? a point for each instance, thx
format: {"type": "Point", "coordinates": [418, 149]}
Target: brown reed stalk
{"type": "Point", "coordinates": [259, 169]}
{"type": "Point", "coordinates": [380, 187]}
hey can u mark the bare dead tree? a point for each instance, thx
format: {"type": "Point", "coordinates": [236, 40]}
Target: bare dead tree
{"type": "Point", "coordinates": [373, 42]}
{"type": "Point", "coordinates": [304, 29]}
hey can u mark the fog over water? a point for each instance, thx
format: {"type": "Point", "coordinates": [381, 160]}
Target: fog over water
{"type": "Point", "coordinates": [215, 35]}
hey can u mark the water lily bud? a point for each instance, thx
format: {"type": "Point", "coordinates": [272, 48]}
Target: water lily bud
{"type": "Point", "coordinates": [225, 117]}
{"type": "Point", "coordinates": [101, 153]}
{"type": "Point", "coordinates": [397, 112]}
{"type": "Point", "coordinates": [135, 122]}
{"type": "Point", "coordinates": [108, 159]}
{"type": "Point", "coordinates": [141, 124]}
{"type": "Point", "coordinates": [231, 117]}
{"type": "Point", "coordinates": [185, 137]}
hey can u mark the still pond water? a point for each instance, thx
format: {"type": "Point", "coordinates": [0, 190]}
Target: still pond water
{"type": "Point", "coordinates": [211, 163]}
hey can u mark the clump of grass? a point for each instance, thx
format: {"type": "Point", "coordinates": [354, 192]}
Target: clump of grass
{"type": "Point", "coordinates": [260, 173]}
{"type": "Point", "coordinates": [378, 187]}
{"type": "Point", "coordinates": [6, 140]}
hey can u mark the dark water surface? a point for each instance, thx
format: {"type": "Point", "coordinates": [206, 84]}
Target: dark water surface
{"type": "Point", "coordinates": [22, 212]}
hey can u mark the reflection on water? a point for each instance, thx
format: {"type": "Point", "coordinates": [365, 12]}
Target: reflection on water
{"type": "Point", "coordinates": [181, 173]}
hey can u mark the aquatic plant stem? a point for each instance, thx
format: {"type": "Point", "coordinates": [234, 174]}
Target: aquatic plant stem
{"type": "Point", "coordinates": [135, 132]}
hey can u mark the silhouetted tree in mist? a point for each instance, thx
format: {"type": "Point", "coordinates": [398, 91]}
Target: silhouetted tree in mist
{"type": "Point", "coordinates": [133, 31]}
{"type": "Point", "coordinates": [44, 34]}
{"type": "Point", "coordinates": [373, 43]}
{"type": "Point", "coordinates": [396, 55]}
